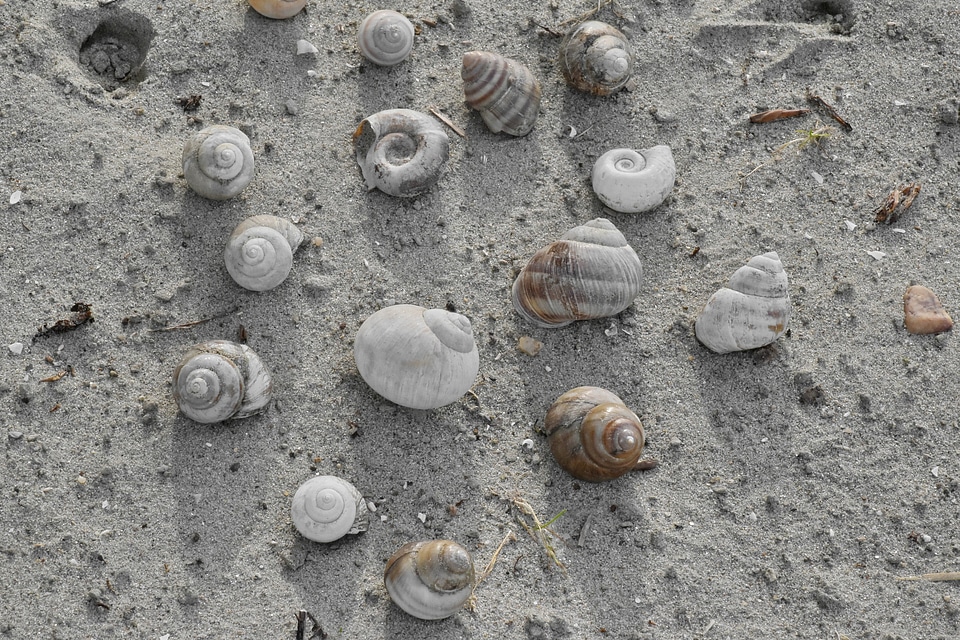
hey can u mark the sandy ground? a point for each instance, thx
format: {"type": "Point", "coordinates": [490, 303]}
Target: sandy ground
{"type": "Point", "coordinates": [796, 484]}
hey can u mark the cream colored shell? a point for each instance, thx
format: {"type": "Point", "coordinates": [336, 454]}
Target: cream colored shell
{"type": "Point", "coordinates": [278, 9]}
{"type": "Point", "coordinates": [431, 579]}
{"type": "Point", "coordinates": [218, 162]}
{"type": "Point", "coordinates": [326, 508]}
{"type": "Point", "coordinates": [631, 181]}
{"type": "Point", "coordinates": [259, 252]}
{"type": "Point", "coordinates": [385, 37]}
{"type": "Point", "coordinates": [503, 90]}
{"type": "Point", "coordinates": [219, 380]}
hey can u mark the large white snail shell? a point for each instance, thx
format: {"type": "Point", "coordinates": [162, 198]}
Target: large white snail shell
{"type": "Point", "coordinates": [219, 380]}
{"type": "Point", "coordinates": [218, 162]}
{"type": "Point", "coordinates": [259, 252]}
{"type": "Point", "coordinates": [418, 358]}
{"type": "Point", "coordinates": [326, 508]}
{"type": "Point", "coordinates": [431, 579]}
{"type": "Point", "coordinates": [751, 311]}
{"type": "Point", "coordinates": [504, 91]}
{"type": "Point", "coordinates": [278, 9]}
{"type": "Point", "coordinates": [631, 181]}
{"type": "Point", "coordinates": [597, 58]}
{"type": "Point", "coordinates": [385, 37]}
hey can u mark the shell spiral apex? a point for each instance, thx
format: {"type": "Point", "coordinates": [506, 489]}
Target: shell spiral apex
{"type": "Point", "coordinates": [220, 380]}
{"type": "Point", "coordinates": [259, 252]}
{"type": "Point", "coordinates": [278, 9]}
{"type": "Point", "coordinates": [597, 58]}
{"type": "Point", "coordinates": [218, 162]}
{"type": "Point", "coordinates": [430, 579]}
{"type": "Point", "coordinates": [385, 37]}
{"type": "Point", "coordinates": [504, 91]}
{"type": "Point", "coordinates": [631, 181]}
{"type": "Point", "coordinates": [326, 508]}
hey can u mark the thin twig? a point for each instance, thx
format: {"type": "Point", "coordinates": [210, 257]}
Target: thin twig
{"type": "Point", "coordinates": [447, 121]}
{"type": "Point", "coordinates": [510, 537]}
{"type": "Point", "coordinates": [190, 325]}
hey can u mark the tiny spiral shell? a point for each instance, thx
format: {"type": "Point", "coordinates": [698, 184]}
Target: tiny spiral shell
{"type": "Point", "coordinates": [326, 508]}
{"type": "Point", "coordinates": [430, 579]}
{"type": "Point", "coordinates": [259, 252]}
{"type": "Point", "coordinates": [278, 9]}
{"type": "Point", "coordinates": [219, 380]}
{"type": "Point", "coordinates": [597, 58]}
{"type": "Point", "coordinates": [385, 37]}
{"type": "Point", "coordinates": [631, 181]}
{"type": "Point", "coordinates": [218, 162]}
{"type": "Point", "coordinates": [504, 91]}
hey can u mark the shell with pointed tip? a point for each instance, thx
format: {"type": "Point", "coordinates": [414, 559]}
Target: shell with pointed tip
{"type": "Point", "coordinates": [631, 181]}
{"type": "Point", "coordinates": [385, 37]}
{"type": "Point", "coordinates": [430, 579]}
{"type": "Point", "coordinates": [218, 162]}
{"type": "Point", "coordinates": [259, 252]}
{"type": "Point", "coordinates": [503, 90]}
{"type": "Point", "coordinates": [418, 358]}
{"type": "Point", "coordinates": [326, 508]}
{"type": "Point", "coordinates": [597, 58]}
{"type": "Point", "coordinates": [220, 380]}
{"type": "Point", "coordinates": [278, 9]}
{"type": "Point", "coordinates": [751, 311]}
{"type": "Point", "coordinates": [401, 152]}
{"type": "Point", "coordinates": [591, 272]}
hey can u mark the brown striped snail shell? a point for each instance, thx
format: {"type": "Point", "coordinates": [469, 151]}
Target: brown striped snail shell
{"type": "Point", "coordinates": [597, 58]}
{"type": "Point", "coordinates": [631, 181]}
{"type": "Point", "coordinates": [503, 90]}
{"type": "Point", "coordinates": [221, 380]}
{"type": "Point", "coordinates": [218, 162]}
{"type": "Point", "coordinates": [401, 152]}
{"type": "Point", "coordinates": [594, 436]}
{"type": "Point", "coordinates": [591, 272]}
{"type": "Point", "coordinates": [326, 508]}
{"type": "Point", "coordinates": [385, 37]}
{"type": "Point", "coordinates": [751, 311]}
{"type": "Point", "coordinates": [259, 252]}
{"type": "Point", "coordinates": [278, 9]}
{"type": "Point", "coordinates": [430, 579]}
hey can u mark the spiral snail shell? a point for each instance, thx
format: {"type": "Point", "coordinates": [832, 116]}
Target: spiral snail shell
{"type": "Point", "coordinates": [259, 252]}
{"type": "Point", "coordinates": [219, 380]}
{"type": "Point", "coordinates": [401, 152]}
{"type": "Point", "coordinates": [418, 358]}
{"type": "Point", "coordinates": [430, 579]}
{"type": "Point", "coordinates": [278, 9]}
{"type": "Point", "coordinates": [751, 311]}
{"type": "Point", "coordinates": [385, 37]}
{"type": "Point", "coordinates": [503, 90]}
{"type": "Point", "coordinates": [591, 272]}
{"type": "Point", "coordinates": [326, 508]}
{"type": "Point", "coordinates": [218, 162]}
{"type": "Point", "coordinates": [631, 181]}
{"type": "Point", "coordinates": [596, 57]}
{"type": "Point", "coordinates": [594, 436]}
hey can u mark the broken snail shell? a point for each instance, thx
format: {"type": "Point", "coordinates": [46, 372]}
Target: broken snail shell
{"type": "Point", "coordinates": [221, 380]}
{"type": "Point", "coordinates": [594, 436]}
{"type": "Point", "coordinates": [631, 181]}
{"type": "Point", "coordinates": [597, 58]}
{"type": "Point", "coordinates": [431, 579]}
{"type": "Point", "coordinates": [401, 152]}
{"type": "Point", "coordinates": [278, 9]}
{"type": "Point", "coordinates": [591, 272]}
{"type": "Point", "coordinates": [259, 252]}
{"type": "Point", "coordinates": [418, 358]}
{"type": "Point", "coordinates": [218, 162]}
{"type": "Point", "coordinates": [326, 508]}
{"type": "Point", "coordinates": [503, 90]}
{"type": "Point", "coordinates": [385, 37]}
{"type": "Point", "coordinates": [751, 311]}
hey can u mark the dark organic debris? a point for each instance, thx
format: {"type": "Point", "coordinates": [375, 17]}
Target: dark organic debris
{"type": "Point", "coordinates": [817, 100]}
{"type": "Point", "coordinates": [315, 632]}
{"type": "Point", "coordinates": [190, 103]}
{"type": "Point", "coordinates": [82, 314]}
{"type": "Point", "coordinates": [773, 115]}
{"type": "Point", "coordinates": [896, 203]}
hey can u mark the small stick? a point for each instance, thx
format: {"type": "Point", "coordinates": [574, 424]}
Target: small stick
{"type": "Point", "coordinates": [948, 576]}
{"type": "Point", "coordinates": [548, 29]}
{"type": "Point", "coordinates": [773, 115]}
{"type": "Point", "coordinates": [190, 325]}
{"type": "Point", "coordinates": [815, 99]}
{"type": "Point", "coordinates": [510, 537]}
{"type": "Point", "coordinates": [445, 120]}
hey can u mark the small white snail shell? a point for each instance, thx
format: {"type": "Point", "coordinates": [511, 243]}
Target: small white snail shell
{"type": "Point", "coordinates": [218, 162]}
{"type": "Point", "coordinates": [326, 508]}
{"type": "Point", "coordinates": [597, 58]}
{"type": "Point", "coordinates": [631, 181]}
{"type": "Point", "coordinates": [751, 311]}
{"type": "Point", "coordinates": [418, 358]}
{"type": "Point", "coordinates": [503, 90]}
{"type": "Point", "coordinates": [385, 37]}
{"type": "Point", "coordinates": [219, 380]}
{"type": "Point", "coordinates": [278, 9]}
{"type": "Point", "coordinates": [259, 252]}
{"type": "Point", "coordinates": [431, 579]}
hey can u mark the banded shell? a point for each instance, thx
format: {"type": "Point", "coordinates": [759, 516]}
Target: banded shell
{"type": "Point", "coordinates": [326, 508]}
{"type": "Point", "coordinates": [503, 90]}
{"type": "Point", "coordinates": [430, 579]}
{"type": "Point", "coordinates": [221, 380]}
{"type": "Point", "coordinates": [385, 37]}
{"type": "Point", "coordinates": [259, 252]}
{"type": "Point", "coordinates": [597, 58]}
{"type": "Point", "coordinates": [751, 311]}
{"type": "Point", "coordinates": [631, 181]}
{"type": "Point", "coordinates": [218, 162]}
{"type": "Point", "coordinates": [278, 9]}
{"type": "Point", "coordinates": [591, 272]}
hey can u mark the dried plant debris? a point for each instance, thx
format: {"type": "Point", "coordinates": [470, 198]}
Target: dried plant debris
{"type": "Point", "coordinates": [896, 203]}
{"type": "Point", "coordinates": [315, 632]}
{"type": "Point", "coordinates": [190, 103]}
{"type": "Point", "coordinates": [772, 115]}
{"type": "Point", "coordinates": [82, 314]}
{"type": "Point", "coordinates": [820, 102]}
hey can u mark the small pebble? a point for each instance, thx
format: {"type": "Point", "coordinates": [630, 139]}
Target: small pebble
{"type": "Point", "coordinates": [923, 313]}
{"type": "Point", "coordinates": [16, 348]}
{"type": "Point", "coordinates": [16, 196]}
{"type": "Point", "coordinates": [422, 517]}
{"type": "Point", "coordinates": [304, 47]}
{"type": "Point", "coordinates": [529, 346]}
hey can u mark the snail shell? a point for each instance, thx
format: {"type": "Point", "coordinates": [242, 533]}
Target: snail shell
{"type": "Point", "coordinates": [326, 508]}
{"type": "Point", "coordinates": [218, 162]}
{"type": "Point", "coordinates": [259, 253]}
{"type": "Point", "coordinates": [631, 181]}
{"type": "Point", "coordinates": [596, 58]}
{"type": "Point", "coordinates": [591, 272]}
{"type": "Point", "coordinates": [385, 37]}
{"type": "Point", "coordinates": [278, 9]}
{"type": "Point", "coordinates": [401, 152]}
{"type": "Point", "coordinates": [593, 435]}
{"type": "Point", "coordinates": [219, 380]}
{"type": "Point", "coordinates": [431, 579]}
{"type": "Point", "coordinates": [418, 358]}
{"type": "Point", "coordinates": [504, 91]}
{"type": "Point", "coordinates": [751, 311]}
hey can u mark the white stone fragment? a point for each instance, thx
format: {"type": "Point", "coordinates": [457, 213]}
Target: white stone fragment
{"type": "Point", "coordinates": [16, 196]}
{"type": "Point", "coordinates": [877, 255]}
{"type": "Point", "coordinates": [16, 348]}
{"type": "Point", "coordinates": [304, 47]}
{"type": "Point", "coordinates": [817, 177]}
{"type": "Point", "coordinates": [422, 517]}
{"type": "Point", "coordinates": [850, 225]}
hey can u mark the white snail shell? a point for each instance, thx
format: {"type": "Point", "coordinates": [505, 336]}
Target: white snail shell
{"type": "Point", "coordinates": [751, 311]}
{"type": "Point", "coordinates": [504, 91]}
{"type": "Point", "coordinates": [219, 380]}
{"type": "Point", "coordinates": [401, 152]}
{"type": "Point", "coordinates": [431, 579]}
{"type": "Point", "coordinates": [326, 508]}
{"type": "Point", "coordinates": [596, 58]}
{"type": "Point", "coordinates": [385, 37]}
{"type": "Point", "coordinates": [218, 162]}
{"type": "Point", "coordinates": [631, 181]}
{"type": "Point", "coordinates": [278, 9]}
{"type": "Point", "coordinates": [418, 358]}
{"type": "Point", "coordinates": [259, 252]}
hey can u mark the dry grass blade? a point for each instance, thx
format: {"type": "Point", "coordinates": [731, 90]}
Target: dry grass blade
{"type": "Point", "coordinates": [471, 603]}
{"type": "Point", "coordinates": [442, 117]}
{"type": "Point", "coordinates": [592, 12]}
{"type": "Point", "coordinates": [814, 135]}
{"type": "Point", "coordinates": [773, 115]}
{"type": "Point", "coordinates": [947, 576]}
{"type": "Point", "coordinates": [539, 530]}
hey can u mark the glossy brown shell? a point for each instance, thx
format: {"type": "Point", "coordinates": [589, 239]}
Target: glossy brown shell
{"type": "Point", "coordinates": [503, 90]}
{"type": "Point", "coordinates": [596, 58]}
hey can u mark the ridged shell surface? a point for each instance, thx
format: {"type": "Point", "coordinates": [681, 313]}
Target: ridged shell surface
{"type": "Point", "coordinates": [385, 37]}
{"type": "Point", "coordinates": [259, 252]}
{"type": "Point", "coordinates": [278, 9]}
{"type": "Point", "coordinates": [631, 181]}
{"type": "Point", "coordinates": [597, 58]}
{"type": "Point", "coordinates": [218, 162]}
{"type": "Point", "coordinates": [326, 508]}
{"type": "Point", "coordinates": [431, 579]}
{"type": "Point", "coordinates": [504, 91]}
{"type": "Point", "coordinates": [219, 380]}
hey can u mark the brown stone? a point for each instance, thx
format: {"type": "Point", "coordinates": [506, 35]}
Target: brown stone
{"type": "Point", "coordinates": [923, 313]}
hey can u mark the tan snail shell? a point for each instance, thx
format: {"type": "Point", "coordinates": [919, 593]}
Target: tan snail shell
{"type": "Point", "coordinates": [401, 152]}
{"type": "Point", "coordinates": [594, 436]}
{"type": "Point", "coordinates": [326, 508]}
{"type": "Point", "coordinates": [430, 579]}
{"type": "Point", "coordinates": [631, 181]}
{"type": "Point", "coordinates": [596, 58]}
{"type": "Point", "coordinates": [219, 380]}
{"type": "Point", "coordinates": [751, 311]}
{"type": "Point", "coordinates": [259, 252]}
{"type": "Point", "coordinates": [591, 272]}
{"type": "Point", "coordinates": [278, 9]}
{"type": "Point", "coordinates": [503, 90]}
{"type": "Point", "coordinates": [218, 162]}
{"type": "Point", "coordinates": [385, 37]}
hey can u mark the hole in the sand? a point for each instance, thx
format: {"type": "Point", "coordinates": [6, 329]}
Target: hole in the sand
{"type": "Point", "coordinates": [115, 51]}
